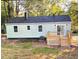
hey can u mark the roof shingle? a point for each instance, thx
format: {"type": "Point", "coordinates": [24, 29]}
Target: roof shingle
{"type": "Point", "coordinates": [37, 19]}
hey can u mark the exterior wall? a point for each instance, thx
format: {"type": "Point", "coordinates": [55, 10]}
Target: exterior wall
{"type": "Point", "coordinates": [33, 32]}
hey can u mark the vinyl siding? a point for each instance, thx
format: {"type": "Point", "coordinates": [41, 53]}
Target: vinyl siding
{"type": "Point", "coordinates": [34, 31]}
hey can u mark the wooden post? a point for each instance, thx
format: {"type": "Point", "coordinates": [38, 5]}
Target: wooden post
{"type": "Point", "coordinates": [59, 41]}
{"type": "Point", "coordinates": [69, 38]}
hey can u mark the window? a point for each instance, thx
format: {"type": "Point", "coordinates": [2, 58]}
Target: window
{"type": "Point", "coordinates": [28, 27]}
{"type": "Point", "coordinates": [15, 29]}
{"type": "Point", "coordinates": [40, 28]}
{"type": "Point", "coordinates": [58, 30]}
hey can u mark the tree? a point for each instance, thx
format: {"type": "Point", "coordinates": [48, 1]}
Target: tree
{"type": "Point", "coordinates": [6, 13]}
{"type": "Point", "coordinates": [3, 15]}
{"type": "Point", "coordinates": [73, 12]}
{"type": "Point", "coordinates": [42, 7]}
{"type": "Point", "coordinates": [17, 7]}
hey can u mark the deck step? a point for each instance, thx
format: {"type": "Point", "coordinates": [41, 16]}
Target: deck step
{"type": "Point", "coordinates": [54, 39]}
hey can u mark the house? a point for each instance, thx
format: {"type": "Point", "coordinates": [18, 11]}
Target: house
{"type": "Point", "coordinates": [37, 26]}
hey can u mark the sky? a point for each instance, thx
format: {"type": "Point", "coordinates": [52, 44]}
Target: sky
{"type": "Point", "coordinates": [65, 5]}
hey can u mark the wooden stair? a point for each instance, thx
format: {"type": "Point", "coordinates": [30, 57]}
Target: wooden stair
{"type": "Point", "coordinates": [54, 39]}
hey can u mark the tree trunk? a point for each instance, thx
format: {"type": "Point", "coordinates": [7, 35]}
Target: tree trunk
{"type": "Point", "coordinates": [17, 7]}
{"type": "Point", "coordinates": [12, 9]}
{"type": "Point", "coordinates": [9, 15]}
{"type": "Point", "coordinates": [5, 10]}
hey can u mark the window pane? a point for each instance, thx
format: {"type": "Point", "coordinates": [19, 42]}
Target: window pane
{"type": "Point", "coordinates": [28, 27]}
{"type": "Point", "coordinates": [40, 28]}
{"type": "Point", "coordinates": [15, 29]}
{"type": "Point", "coordinates": [58, 30]}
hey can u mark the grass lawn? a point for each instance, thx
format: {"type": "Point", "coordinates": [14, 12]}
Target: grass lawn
{"type": "Point", "coordinates": [28, 50]}
{"type": "Point", "coordinates": [25, 50]}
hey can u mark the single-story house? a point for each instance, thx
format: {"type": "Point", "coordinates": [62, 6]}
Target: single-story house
{"type": "Point", "coordinates": [37, 26]}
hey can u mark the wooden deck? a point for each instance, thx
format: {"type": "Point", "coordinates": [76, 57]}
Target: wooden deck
{"type": "Point", "coordinates": [54, 39]}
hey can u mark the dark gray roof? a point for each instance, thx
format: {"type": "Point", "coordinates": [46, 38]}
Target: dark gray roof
{"type": "Point", "coordinates": [37, 19]}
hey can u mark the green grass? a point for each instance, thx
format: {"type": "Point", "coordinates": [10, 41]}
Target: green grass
{"type": "Point", "coordinates": [28, 45]}
{"type": "Point", "coordinates": [19, 45]}
{"type": "Point", "coordinates": [45, 50]}
{"type": "Point", "coordinates": [24, 50]}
